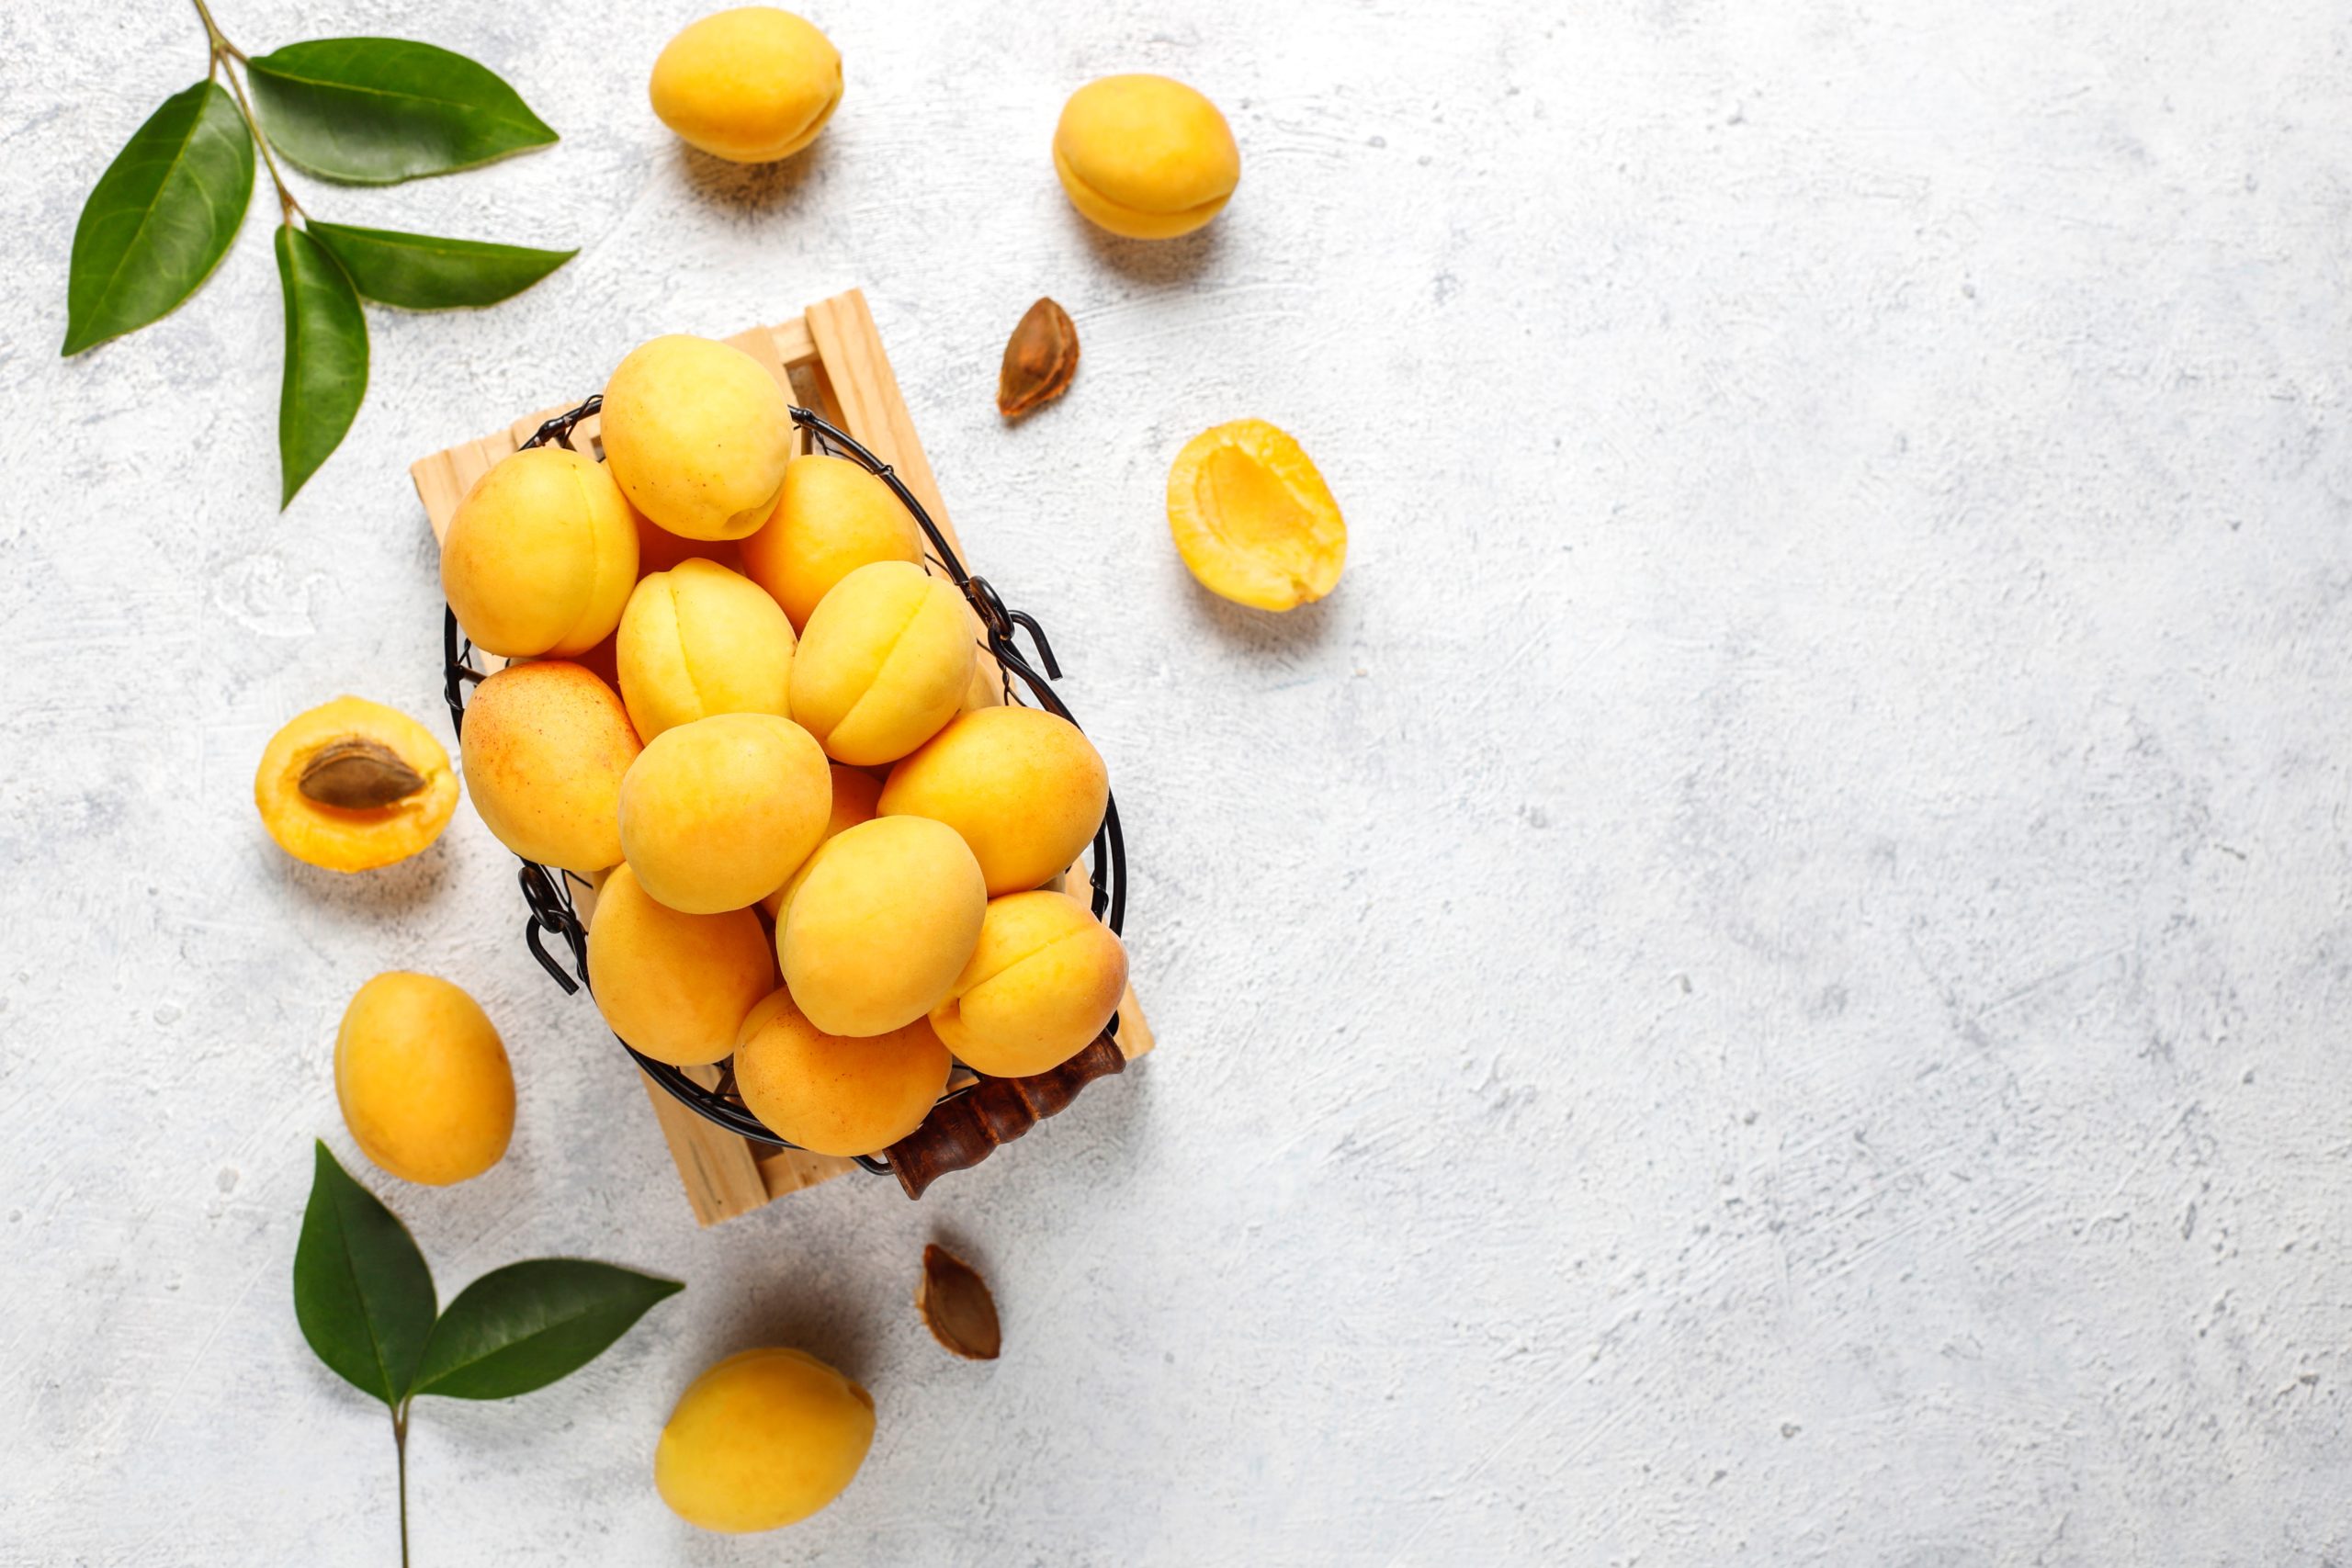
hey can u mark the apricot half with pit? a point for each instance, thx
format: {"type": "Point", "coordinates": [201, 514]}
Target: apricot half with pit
{"type": "Point", "coordinates": [1253, 519]}
{"type": "Point", "coordinates": [696, 434]}
{"type": "Point", "coordinates": [832, 1094]}
{"type": "Point", "coordinates": [423, 1080]}
{"type": "Point", "coordinates": [351, 785]}
{"type": "Point", "coordinates": [1145, 156]}
{"type": "Point", "coordinates": [763, 1440]}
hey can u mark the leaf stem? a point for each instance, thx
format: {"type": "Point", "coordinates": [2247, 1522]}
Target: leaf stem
{"type": "Point", "coordinates": [399, 1446]}
{"type": "Point", "coordinates": [222, 52]}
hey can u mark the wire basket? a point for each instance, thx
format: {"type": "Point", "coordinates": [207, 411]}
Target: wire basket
{"type": "Point", "coordinates": [547, 891]}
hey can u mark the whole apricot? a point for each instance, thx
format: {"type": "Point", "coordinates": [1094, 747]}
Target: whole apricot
{"type": "Point", "coordinates": [350, 786]}
{"type": "Point", "coordinates": [832, 518]}
{"type": "Point", "coordinates": [697, 434]}
{"type": "Point", "coordinates": [1024, 787]}
{"type": "Point", "coordinates": [675, 987]}
{"type": "Point", "coordinates": [749, 85]}
{"type": "Point", "coordinates": [832, 1094]}
{"type": "Point", "coordinates": [882, 925]}
{"type": "Point", "coordinates": [1253, 519]}
{"type": "Point", "coordinates": [699, 640]}
{"type": "Point", "coordinates": [1145, 156]}
{"type": "Point", "coordinates": [545, 748]}
{"type": "Point", "coordinates": [855, 795]}
{"type": "Point", "coordinates": [716, 814]}
{"type": "Point", "coordinates": [763, 1440]}
{"type": "Point", "coordinates": [423, 1080]}
{"type": "Point", "coordinates": [887, 660]}
{"type": "Point", "coordinates": [540, 555]}
{"type": "Point", "coordinates": [1043, 980]}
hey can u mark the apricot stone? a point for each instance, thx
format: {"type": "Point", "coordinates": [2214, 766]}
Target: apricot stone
{"type": "Point", "coordinates": [540, 555]}
{"type": "Point", "coordinates": [749, 85]}
{"type": "Point", "coordinates": [1253, 519]}
{"type": "Point", "coordinates": [675, 987]}
{"type": "Point", "coordinates": [1024, 787]}
{"type": "Point", "coordinates": [699, 640]}
{"type": "Point", "coordinates": [697, 434]}
{"type": "Point", "coordinates": [832, 1094]}
{"type": "Point", "coordinates": [423, 1080]}
{"type": "Point", "coordinates": [403, 792]}
{"type": "Point", "coordinates": [1044, 980]}
{"type": "Point", "coordinates": [856, 796]}
{"type": "Point", "coordinates": [763, 1440]}
{"type": "Point", "coordinates": [887, 660]}
{"type": "Point", "coordinates": [882, 925]}
{"type": "Point", "coordinates": [1145, 156]}
{"type": "Point", "coordinates": [832, 518]}
{"type": "Point", "coordinates": [545, 747]}
{"type": "Point", "coordinates": [718, 813]}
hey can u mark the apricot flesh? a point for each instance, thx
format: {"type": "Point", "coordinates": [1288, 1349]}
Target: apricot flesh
{"type": "Point", "coordinates": [675, 987]}
{"type": "Point", "coordinates": [1145, 156]}
{"type": "Point", "coordinates": [353, 838]}
{"type": "Point", "coordinates": [423, 1080]}
{"type": "Point", "coordinates": [715, 814]}
{"type": "Point", "coordinates": [832, 1094]}
{"type": "Point", "coordinates": [540, 555]}
{"type": "Point", "coordinates": [882, 925]}
{"type": "Point", "coordinates": [1253, 519]}
{"type": "Point", "coordinates": [1043, 980]}
{"type": "Point", "coordinates": [1024, 787]}
{"type": "Point", "coordinates": [886, 659]}
{"type": "Point", "coordinates": [764, 1439]}
{"type": "Point", "coordinates": [699, 640]}
{"type": "Point", "coordinates": [749, 85]}
{"type": "Point", "coordinates": [545, 747]}
{"type": "Point", "coordinates": [831, 518]}
{"type": "Point", "coordinates": [696, 434]}
{"type": "Point", "coordinates": [856, 793]}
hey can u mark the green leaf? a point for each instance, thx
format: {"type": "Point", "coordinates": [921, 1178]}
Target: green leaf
{"type": "Point", "coordinates": [362, 1292]}
{"type": "Point", "coordinates": [161, 217]}
{"type": "Point", "coordinates": [523, 1327]}
{"type": "Point", "coordinates": [378, 110]}
{"type": "Point", "coordinates": [423, 273]}
{"type": "Point", "coordinates": [326, 358]}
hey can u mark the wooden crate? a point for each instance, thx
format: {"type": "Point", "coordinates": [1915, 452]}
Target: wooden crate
{"type": "Point", "coordinates": [828, 359]}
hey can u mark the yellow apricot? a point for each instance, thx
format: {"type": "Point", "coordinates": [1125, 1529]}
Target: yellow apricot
{"type": "Point", "coordinates": [540, 555]}
{"type": "Point", "coordinates": [717, 813]}
{"type": "Point", "coordinates": [763, 1440]}
{"type": "Point", "coordinates": [1145, 156]}
{"type": "Point", "coordinates": [855, 793]}
{"type": "Point", "coordinates": [545, 747]}
{"type": "Point", "coordinates": [699, 640]}
{"type": "Point", "coordinates": [1044, 980]}
{"type": "Point", "coordinates": [1253, 519]}
{"type": "Point", "coordinates": [1023, 786]}
{"type": "Point", "coordinates": [675, 987]}
{"type": "Point", "coordinates": [881, 925]}
{"type": "Point", "coordinates": [832, 1094]}
{"type": "Point", "coordinates": [886, 660]}
{"type": "Point", "coordinates": [832, 518]}
{"type": "Point", "coordinates": [423, 1080]}
{"type": "Point", "coordinates": [749, 85]}
{"type": "Point", "coordinates": [696, 433]}
{"type": "Point", "coordinates": [350, 786]}
{"type": "Point", "coordinates": [658, 550]}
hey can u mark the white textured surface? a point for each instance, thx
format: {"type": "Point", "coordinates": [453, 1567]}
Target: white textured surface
{"type": "Point", "coordinates": [1766, 982]}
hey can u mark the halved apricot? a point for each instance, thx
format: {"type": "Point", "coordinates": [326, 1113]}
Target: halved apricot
{"type": "Point", "coordinates": [351, 785]}
{"type": "Point", "coordinates": [1253, 519]}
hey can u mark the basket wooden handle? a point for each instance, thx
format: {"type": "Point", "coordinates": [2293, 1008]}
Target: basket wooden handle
{"type": "Point", "coordinates": [968, 1129]}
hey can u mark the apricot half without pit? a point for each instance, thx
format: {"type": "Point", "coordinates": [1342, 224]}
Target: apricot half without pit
{"type": "Point", "coordinates": [1253, 519]}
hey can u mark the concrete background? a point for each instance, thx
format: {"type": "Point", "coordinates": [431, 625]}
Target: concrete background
{"type": "Point", "coordinates": [1765, 982]}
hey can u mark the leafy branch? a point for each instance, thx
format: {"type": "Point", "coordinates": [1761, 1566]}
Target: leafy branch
{"type": "Point", "coordinates": [354, 111]}
{"type": "Point", "coordinates": [364, 1297]}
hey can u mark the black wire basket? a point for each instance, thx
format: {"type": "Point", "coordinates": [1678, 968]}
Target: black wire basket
{"type": "Point", "coordinates": [547, 891]}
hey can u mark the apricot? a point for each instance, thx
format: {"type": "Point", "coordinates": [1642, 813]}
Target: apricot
{"type": "Point", "coordinates": [855, 793]}
{"type": "Point", "coordinates": [699, 640]}
{"type": "Point", "coordinates": [675, 987]}
{"type": "Point", "coordinates": [1024, 787]}
{"type": "Point", "coordinates": [763, 1440]}
{"type": "Point", "coordinates": [749, 85]}
{"type": "Point", "coordinates": [423, 1080]}
{"type": "Point", "coordinates": [350, 786]}
{"type": "Point", "coordinates": [1044, 980]}
{"type": "Point", "coordinates": [540, 555]}
{"type": "Point", "coordinates": [832, 518]}
{"type": "Point", "coordinates": [1145, 156]}
{"type": "Point", "coordinates": [545, 748]}
{"type": "Point", "coordinates": [832, 1094]}
{"type": "Point", "coordinates": [716, 814]}
{"type": "Point", "coordinates": [886, 660]}
{"type": "Point", "coordinates": [696, 434]}
{"type": "Point", "coordinates": [658, 550]}
{"type": "Point", "coordinates": [881, 925]}
{"type": "Point", "coordinates": [1253, 519]}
